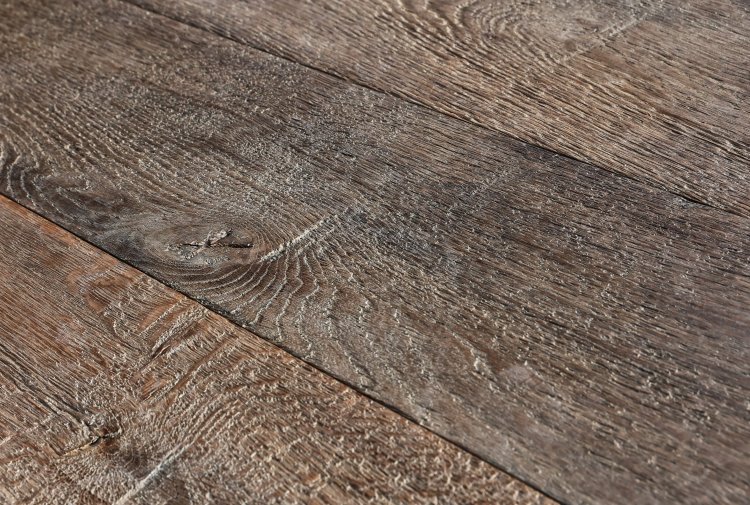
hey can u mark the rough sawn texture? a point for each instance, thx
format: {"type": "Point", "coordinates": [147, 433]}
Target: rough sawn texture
{"type": "Point", "coordinates": [581, 330]}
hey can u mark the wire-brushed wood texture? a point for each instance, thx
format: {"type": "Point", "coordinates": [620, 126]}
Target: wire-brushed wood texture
{"type": "Point", "coordinates": [654, 89]}
{"type": "Point", "coordinates": [115, 389]}
{"type": "Point", "coordinates": [582, 330]}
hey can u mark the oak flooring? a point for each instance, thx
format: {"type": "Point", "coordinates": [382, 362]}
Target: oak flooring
{"type": "Point", "coordinates": [657, 90]}
{"type": "Point", "coordinates": [583, 330]}
{"type": "Point", "coordinates": [115, 389]}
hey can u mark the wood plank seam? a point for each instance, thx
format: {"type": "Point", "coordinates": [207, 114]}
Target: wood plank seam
{"type": "Point", "coordinates": [105, 435]}
{"type": "Point", "coordinates": [364, 85]}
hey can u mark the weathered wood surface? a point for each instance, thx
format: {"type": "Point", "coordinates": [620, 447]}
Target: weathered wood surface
{"type": "Point", "coordinates": [584, 331]}
{"type": "Point", "coordinates": [654, 89]}
{"type": "Point", "coordinates": [115, 389]}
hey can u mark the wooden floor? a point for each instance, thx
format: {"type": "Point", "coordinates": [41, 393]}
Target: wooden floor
{"type": "Point", "coordinates": [375, 251]}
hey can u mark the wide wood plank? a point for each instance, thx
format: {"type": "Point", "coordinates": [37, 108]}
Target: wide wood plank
{"type": "Point", "coordinates": [657, 90]}
{"type": "Point", "coordinates": [115, 389]}
{"type": "Point", "coordinates": [579, 329]}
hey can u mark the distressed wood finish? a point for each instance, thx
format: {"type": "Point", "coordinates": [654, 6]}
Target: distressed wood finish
{"type": "Point", "coordinates": [115, 389]}
{"type": "Point", "coordinates": [584, 331]}
{"type": "Point", "coordinates": [656, 90]}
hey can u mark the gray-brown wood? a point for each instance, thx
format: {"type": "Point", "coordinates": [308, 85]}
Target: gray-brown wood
{"type": "Point", "coordinates": [584, 331]}
{"type": "Point", "coordinates": [654, 89]}
{"type": "Point", "coordinates": [115, 389]}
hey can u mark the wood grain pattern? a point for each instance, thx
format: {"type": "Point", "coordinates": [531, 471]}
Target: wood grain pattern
{"type": "Point", "coordinates": [114, 389]}
{"type": "Point", "coordinates": [581, 330]}
{"type": "Point", "coordinates": [657, 90]}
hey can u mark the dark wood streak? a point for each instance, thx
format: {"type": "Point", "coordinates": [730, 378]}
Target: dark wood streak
{"type": "Point", "coordinates": [115, 389]}
{"type": "Point", "coordinates": [653, 89]}
{"type": "Point", "coordinates": [582, 330]}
